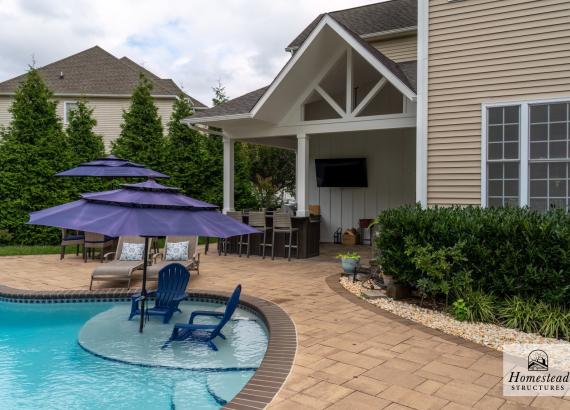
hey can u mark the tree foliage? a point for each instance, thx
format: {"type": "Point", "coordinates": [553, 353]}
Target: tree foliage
{"type": "Point", "coordinates": [141, 139]}
{"type": "Point", "coordinates": [84, 143]}
{"type": "Point", "coordinates": [32, 150]}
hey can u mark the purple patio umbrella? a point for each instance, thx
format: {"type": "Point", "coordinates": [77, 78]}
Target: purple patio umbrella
{"type": "Point", "coordinates": [146, 209]}
{"type": "Point", "coordinates": [110, 167]}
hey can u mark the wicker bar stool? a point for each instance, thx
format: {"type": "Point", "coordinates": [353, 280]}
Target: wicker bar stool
{"type": "Point", "coordinates": [94, 242]}
{"type": "Point", "coordinates": [224, 243]}
{"type": "Point", "coordinates": [283, 224]}
{"type": "Point", "coordinates": [257, 221]}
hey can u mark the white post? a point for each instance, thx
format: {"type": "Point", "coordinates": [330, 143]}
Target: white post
{"type": "Point", "coordinates": [302, 174]}
{"type": "Point", "coordinates": [422, 102]}
{"type": "Point", "coordinates": [228, 174]}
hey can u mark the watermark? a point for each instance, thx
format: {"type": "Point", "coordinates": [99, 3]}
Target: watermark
{"type": "Point", "coordinates": [536, 370]}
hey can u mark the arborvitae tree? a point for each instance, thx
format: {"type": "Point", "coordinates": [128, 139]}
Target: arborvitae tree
{"type": "Point", "coordinates": [32, 150]}
{"type": "Point", "coordinates": [141, 139]}
{"type": "Point", "coordinates": [187, 150]}
{"type": "Point", "coordinates": [275, 163]}
{"type": "Point", "coordinates": [85, 144]}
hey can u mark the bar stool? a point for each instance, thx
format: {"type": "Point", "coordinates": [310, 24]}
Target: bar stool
{"type": "Point", "coordinates": [282, 224]}
{"type": "Point", "coordinates": [96, 241]}
{"type": "Point", "coordinates": [257, 221]}
{"type": "Point", "coordinates": [224, 243]}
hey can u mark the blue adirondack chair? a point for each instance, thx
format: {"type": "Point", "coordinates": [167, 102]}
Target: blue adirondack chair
{"type": "Point", "coordinates": [202, 332]}
{"type": "Point", "coordinates": [171, 290]}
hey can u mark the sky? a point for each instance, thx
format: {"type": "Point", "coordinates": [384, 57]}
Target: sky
{"type": "Point", "coordinates": [197, 43]}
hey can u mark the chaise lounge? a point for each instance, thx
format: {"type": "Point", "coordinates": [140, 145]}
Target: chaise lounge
{"type": "Point", "coordinates": [179, 249]}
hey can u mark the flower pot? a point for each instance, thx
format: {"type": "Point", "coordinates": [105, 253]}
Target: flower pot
{"type": "Point", "coordinates": [388, 279]}
{"type": "Point", "coordinates": [349, 265]}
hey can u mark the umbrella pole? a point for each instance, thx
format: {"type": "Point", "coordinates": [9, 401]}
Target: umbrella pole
{"type": "Point", "coordinates": [143, 291]}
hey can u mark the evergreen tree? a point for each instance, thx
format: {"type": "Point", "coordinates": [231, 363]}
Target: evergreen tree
{"type": "Point", "coordinates": [275, 163]}
{"type": "Point", "coordinates": [32, 150]}
{"type": "Point", "coordinates": [141, 139]}
{"type": "Point", "coordinates": [85, 145]}
{"type": "Point", "coordinates": [187, 150]}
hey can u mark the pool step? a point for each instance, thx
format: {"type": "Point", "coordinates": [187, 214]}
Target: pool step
{"type": "Point", "coordinates": [224, 386]}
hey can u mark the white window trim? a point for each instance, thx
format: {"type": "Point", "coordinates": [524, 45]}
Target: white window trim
{"type": "Point", "coordinates": [523, 144]}
{"type": "Point", "coordinates": [65, 122]}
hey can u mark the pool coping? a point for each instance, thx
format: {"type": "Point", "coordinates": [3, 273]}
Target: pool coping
{"type": "Point", "coordinates": [274, 369]}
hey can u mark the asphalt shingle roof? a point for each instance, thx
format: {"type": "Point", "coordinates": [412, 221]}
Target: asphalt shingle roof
{"type": "Point", "coordinates": [97, 72]}
{"type": "Point", "coordinates": [239, 105]}
{"type": "Point", "coordinates": [369, 19]}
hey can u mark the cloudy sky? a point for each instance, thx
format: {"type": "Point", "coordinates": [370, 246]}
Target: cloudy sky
{"type": "Point", "coordinates": [195, 42]}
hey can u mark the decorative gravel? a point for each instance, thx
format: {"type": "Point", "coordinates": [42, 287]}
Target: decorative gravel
{"type": "Point", "coordinates": [487, 334]}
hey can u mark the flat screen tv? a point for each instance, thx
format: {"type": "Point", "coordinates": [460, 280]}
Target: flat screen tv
{"type": "Point", "coordinates": [341, 172]}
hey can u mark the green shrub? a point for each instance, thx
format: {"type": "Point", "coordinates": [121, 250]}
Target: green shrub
{"type": "Point", "coordinates": [481, 307]}
{"type": "Point", "coordinates": [5, 237]}
{"type": "Point", "coordinates": [554, 321]}
{"type": "Point", "coordinates": [505, 251]}
{"type": "Point", "coordinates": [518, 313]}
{"type": "Point", "coordinates": [460, 310]}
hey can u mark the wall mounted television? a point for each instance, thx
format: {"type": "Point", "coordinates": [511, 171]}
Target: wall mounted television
{"type": "Point", "coordinates": [341, 172]}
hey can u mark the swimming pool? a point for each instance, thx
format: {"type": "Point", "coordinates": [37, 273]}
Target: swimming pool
{"type": "Point", "coordinates": [42, 365]}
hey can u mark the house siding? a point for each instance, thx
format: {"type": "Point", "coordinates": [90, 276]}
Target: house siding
{"type": "Point", "coordinates": [486, 51]}
{"type": "Point", "coordinates": [398, 49]}
{"type": "Point", "coordinates": [107, 111]}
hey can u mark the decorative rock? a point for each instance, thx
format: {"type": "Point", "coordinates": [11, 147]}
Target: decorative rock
{"type": "Point", "coordinates": [373, 293]}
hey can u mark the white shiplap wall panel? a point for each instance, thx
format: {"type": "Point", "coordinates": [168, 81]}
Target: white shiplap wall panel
{"type": "Point", "coordinates": [390, 157]}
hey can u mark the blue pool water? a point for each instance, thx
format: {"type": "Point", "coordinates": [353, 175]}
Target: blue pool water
{"type": "Point", "coordinates": [42, 365]}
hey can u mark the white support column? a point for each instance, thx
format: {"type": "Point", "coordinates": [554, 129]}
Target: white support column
{"type": "Point", "coordinates": [302, 174]}
{"type": "Point", "coordinates": [422, 104]}
{"type": "Point", "coordinates": [228, 174]}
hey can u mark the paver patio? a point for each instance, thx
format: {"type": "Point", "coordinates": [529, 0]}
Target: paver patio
{"type": "Point", "coordinates": [351, 354]}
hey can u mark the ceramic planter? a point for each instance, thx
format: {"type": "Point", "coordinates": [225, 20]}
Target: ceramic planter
{"type": "Point", "coordinates": [349, 265]}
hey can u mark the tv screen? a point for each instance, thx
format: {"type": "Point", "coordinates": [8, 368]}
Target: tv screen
{"type": "Point", "coordinates": [341, 172]}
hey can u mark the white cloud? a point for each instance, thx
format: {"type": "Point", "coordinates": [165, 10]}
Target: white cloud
{"type": "Point", "coordinates": [193, 42]}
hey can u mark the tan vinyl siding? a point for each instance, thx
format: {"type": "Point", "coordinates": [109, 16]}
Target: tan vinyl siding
{"type": "Point", "coordinates": [5, 103]}
{"type": "Point", "coordinates": [486, 51]}
{"type": "Point", "coordinates": [398, 49]}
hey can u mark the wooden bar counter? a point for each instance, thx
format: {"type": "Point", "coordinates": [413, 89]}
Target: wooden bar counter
{"type": "Point", "coordinates": [309, 231]}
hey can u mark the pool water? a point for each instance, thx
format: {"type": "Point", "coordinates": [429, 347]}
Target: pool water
{"type": "Point", "coordinates": [42, 365]}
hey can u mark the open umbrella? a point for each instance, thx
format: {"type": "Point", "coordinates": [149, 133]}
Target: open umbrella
{"type": "Point", "coordinates": [146, 209]}
{"type": "Point", "coordinates": [111, 166]}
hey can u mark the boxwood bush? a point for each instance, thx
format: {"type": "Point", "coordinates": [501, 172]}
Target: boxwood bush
{"type": "Point", "coordinates": [506, 251]}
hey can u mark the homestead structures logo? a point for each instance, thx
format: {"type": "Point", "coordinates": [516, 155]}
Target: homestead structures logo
{"type": "Point", "coordinates": [536, 370]}
{"type": "Point", "coordinates": [537, 361]}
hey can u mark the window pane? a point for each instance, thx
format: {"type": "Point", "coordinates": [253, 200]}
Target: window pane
{"type": "Point", "coordinates": [496, 188]}
{"type": "Point", "coordinates": [495, 133]}
{"type": "Point", "coordinates": [538, 188]}
{"type": "Point", "coordinates": [511, 202]}
{"type": "Point", "coordinates": [511, 132]}
{"type": "Point", "coordinates": [512, 188]}
{"type": "Point", "coordinates": [538, 171]}
{"type": "Point", "coordinates": [511, 170]}
{"type": "Point", "coordinates": [539, 132]}
{"type": "Point", "coordinates": [558, 112]}
{"type": "Point", "coordinates": [558, 149]}
{"type": "Point", "coordinates": [495, 202]}
{"type": "Point", "coordinates": [539, 113]}
{"type": "Point", "coordinates": [495, 170]}
{"type": "Point", "coordinates": [495, 151]}
{"type": "Point", "coordinates": [557, 203]}
{"type": "Point", "coordinates": [556, 169]}
{"type": "Point", "coordinates": [538, 204]}
{"type": "Point", "coordinates": [558, 131]}
{"type": "Point", "coordinates": [512, 114]}
{"type": "Point", "coordinates": [496, 115]}
{"type": "Point", "coordinates": [511, 150]}
{"type": "Point", "coordinates": [557, 188]}
{"type": "Point", "coordinates": [538, 150]}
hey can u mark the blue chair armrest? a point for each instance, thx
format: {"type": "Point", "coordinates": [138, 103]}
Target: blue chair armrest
{"type": "Point", "coordinates": [204, 313]}
{"type": "Point", "coordinates": [191, 326]}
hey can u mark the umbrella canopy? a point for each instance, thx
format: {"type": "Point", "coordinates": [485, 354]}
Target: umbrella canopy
{"type": "Point", "coordinates": [111, 166]}
{"type": "Point", "coordinates": [146, 209]}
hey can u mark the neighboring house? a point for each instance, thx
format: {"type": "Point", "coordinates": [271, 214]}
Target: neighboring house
{"type": "Point", "coordinates": [450, 102]}
{"type": "Point", "coordinates": [106, 82]}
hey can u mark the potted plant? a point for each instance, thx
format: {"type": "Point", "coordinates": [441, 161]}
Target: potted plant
{"type": "Point", "coordinates": [349, 261]}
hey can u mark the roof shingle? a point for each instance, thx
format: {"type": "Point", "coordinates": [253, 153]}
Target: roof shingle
{"type": "Point", "coordinates": [96, 72]}
{"type": "Point", "coordinates": [369, 19]}
{"type": "Point", "coordinates": [239, 105]}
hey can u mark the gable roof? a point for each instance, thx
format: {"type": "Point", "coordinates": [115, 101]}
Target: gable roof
{"type": "Point", "coordinates": [405, 73]}
{"type": "Point", "coordinates": [96, 72]}
{"type": "Point", "coordinates": [368, 20]}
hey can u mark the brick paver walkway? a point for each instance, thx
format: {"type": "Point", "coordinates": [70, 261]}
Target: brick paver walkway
{"type": "Point", "coordinates": [349, 356]}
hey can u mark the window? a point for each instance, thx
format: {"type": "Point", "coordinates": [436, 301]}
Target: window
{"type": "Point", "coordinates": [68, 106]}
{"type": "Point", "coordinates": [503, 159]}
{"type": "Point", "coordinates": [527, 155]}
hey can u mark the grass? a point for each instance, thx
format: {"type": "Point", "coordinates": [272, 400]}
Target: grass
{"type": "Point", "coordinates": [16, 250]}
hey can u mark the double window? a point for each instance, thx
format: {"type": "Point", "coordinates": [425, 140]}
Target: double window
{"type": "Point", "coordinates": [527, 155]}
